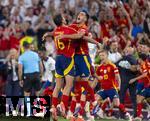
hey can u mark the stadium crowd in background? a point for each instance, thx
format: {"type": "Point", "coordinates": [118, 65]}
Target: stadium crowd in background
{"type": "Point", "coordinates": [122, 27]}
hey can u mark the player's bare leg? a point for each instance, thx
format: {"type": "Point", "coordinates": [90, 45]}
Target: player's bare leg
{"type": "Point", "coordinates": [89, 89]}
{"type": "Point", "coordinates": [101, 111]}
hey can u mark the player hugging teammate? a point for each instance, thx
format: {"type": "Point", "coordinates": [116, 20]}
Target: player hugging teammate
{"type": "Point", "coordinates": [73, 72]}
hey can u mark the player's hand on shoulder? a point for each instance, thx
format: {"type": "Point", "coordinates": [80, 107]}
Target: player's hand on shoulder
{"type": "Point", "coordinates": [132, 81]}
{"type": "Point", "coordinates": [60, 37]}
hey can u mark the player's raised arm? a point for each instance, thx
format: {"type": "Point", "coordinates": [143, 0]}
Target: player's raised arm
{"type": "Point", "coordinates": [91, 40]}
{"type": "Point", "coordinates": [138, 78]}
{"type": "Point", "coordinates": [71, 36]}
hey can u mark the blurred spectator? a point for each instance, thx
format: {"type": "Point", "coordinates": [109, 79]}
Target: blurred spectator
{"type": "Point", "coordinates": [147, 25]}
{"type": "Point", "coordinates": [12, 85]}
{"type": "Point", "coordinates": [15, 39]}
{"type": "Point", "coordinates": [94, 28]}
{"type": "Point", "coordinates": [15, 15]}
{"type": "Point", "coordinates": [94, 9]}
{"type": "Point", "coordinates": [50, 46]}
{"type": "Point", "coordinates": [49, 69]}
{"type": "Point", "coordinates": [136, 27]}
{"type": "Point", "coordinates": [5, 14]}
{"type": "Point", "coordinates": [113, 53]}
{"type": "Point", "coordinates": [29, 34]}
{"type": "Point", "coordinates": [31, 17]}
{"type": "Point", "coordinates": [3, 76]}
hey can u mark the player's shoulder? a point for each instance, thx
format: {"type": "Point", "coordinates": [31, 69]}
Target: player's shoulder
{"type": "Point", "coordinates": [99, 66]}
{"type": "Point", "coordinates": [58, 30]}
{"type": "Point", "coordinates": [73, 27]}
{"type": "Point", "coordinates": [111, 64]}
{"type": "Point", "coordinates": [83, 27]}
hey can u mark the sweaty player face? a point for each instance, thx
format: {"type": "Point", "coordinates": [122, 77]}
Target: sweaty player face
{"type": "Point", "coordinates": [81, 18]}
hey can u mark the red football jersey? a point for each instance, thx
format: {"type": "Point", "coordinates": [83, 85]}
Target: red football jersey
{"type": "Point", "coordinates": [81, 45]}
{"type": "Point", "coordinates": [107, 72]}
{"type": "Point", "coordinates": [145, 69]}
{"type": "Point", "coordinates": [64, 46]}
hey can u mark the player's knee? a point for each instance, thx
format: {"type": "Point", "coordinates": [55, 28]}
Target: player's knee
{"type": "Point", "coordinates": [73, 99]}
{"type": "Point", "coordinates": [139, 99]}
{"type": "Point", "coordinates": [58, 88]}
{"type": "Point", "coordinates": [69, 86]}
{"type": "Point", "coordinates": [116, 102]}
{"type": "Point", "coordinates": [98, 98]}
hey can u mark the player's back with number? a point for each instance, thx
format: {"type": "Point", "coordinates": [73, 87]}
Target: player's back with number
{"type": "Point", "coordinates": [65, 52]}
{"type": "Point", "coordinates": [64, 46]}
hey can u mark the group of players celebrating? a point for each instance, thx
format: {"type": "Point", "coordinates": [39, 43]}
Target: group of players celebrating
{"type": "Point", "coordinates": [73, 64]}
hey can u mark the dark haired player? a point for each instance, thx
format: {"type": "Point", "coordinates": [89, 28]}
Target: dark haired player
{"type": "Point", "coordinates": [74, 45]}
{"type": "Point", "coordinates": [82, 60]}
{"type": "Point", "coordinates": [143, 85]}
{"type": "Point", "coordinates": [64, 64]}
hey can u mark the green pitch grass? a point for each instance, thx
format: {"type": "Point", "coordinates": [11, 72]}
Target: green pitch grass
{"type": "Point", "coordinates": [62, 119]}
{"type": "Point", "coordinates": [23, 119]}
{"type": "Point", "coordinates": [42, 119]}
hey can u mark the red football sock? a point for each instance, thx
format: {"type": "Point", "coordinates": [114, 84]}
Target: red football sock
{"type": "Point", "coordinates": [122, 108]}
{"type": "Point", "coordinates": [82, 103]}
{"type": "Point", "coordinates": [54, 101]}
{"type": "Point", "coordinates": [139, 109]}
{"type": "Point", "coordinates": [77, 91]}
{"type": "Point", "coordinates": [73, 106]}
{"type": "Point", "coordinates": [104, 105]}
{"type": "Point", "coordinates": [110, 111]}
{"type": "Point", "coordinates": [65, 100]}
{"type": "Point", "coordinates": [89, 89]}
